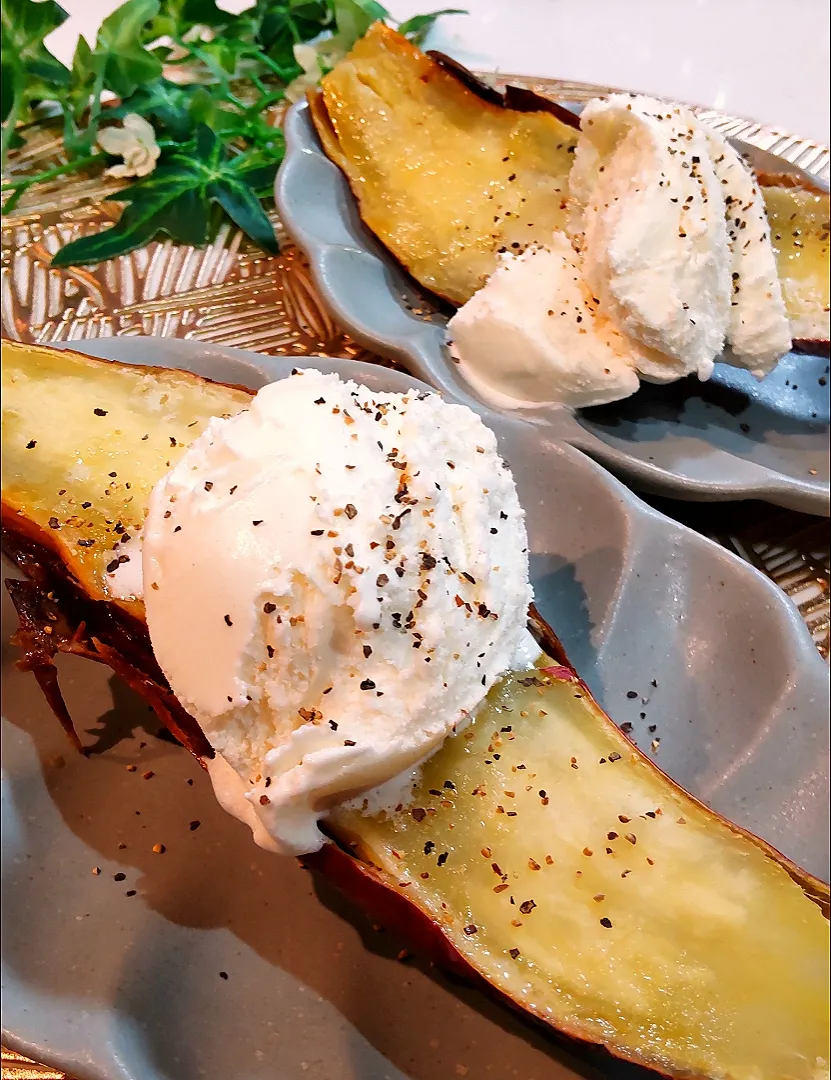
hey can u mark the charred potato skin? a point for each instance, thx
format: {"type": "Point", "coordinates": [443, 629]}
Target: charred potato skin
{"type": "Point", "coordinates": [57, 616]}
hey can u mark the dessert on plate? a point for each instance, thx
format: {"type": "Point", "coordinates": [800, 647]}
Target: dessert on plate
{"type": "Point", "coordinates": [583, 254]}
{"type": "Point", "coordinates": [323, 591]}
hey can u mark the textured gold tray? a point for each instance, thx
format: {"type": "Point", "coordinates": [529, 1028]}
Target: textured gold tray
{"type": "Point", "coordinates": [230, 293]}
{"type": "Point", "coordinates": [17, 1067]}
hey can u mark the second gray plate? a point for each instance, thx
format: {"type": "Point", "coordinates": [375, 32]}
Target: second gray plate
{"type": "Point", "coordinates": [730, 438]}
{"type": "Point", "coordinates": [217, 960]}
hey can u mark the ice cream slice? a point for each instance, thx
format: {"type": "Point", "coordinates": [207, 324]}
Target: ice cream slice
{"type": "Point", "coordinates": [532, 335]}
{"type": "Point", "coordinates": [672, 261]}
{"type": "Point", "coordinates": [333, 580]}
{"type": "Point", "coordinates": [649, 216]}
{"type": "Point", "coordinates": [758, 332]}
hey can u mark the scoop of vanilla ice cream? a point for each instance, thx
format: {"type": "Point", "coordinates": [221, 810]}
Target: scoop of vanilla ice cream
{"type": "Point", "coordinates": [675, 239]}
{"type": "Point", "coordinates": [532, 335]}
{"type": "Point", "coordinates": [333, 580]}
{"type": "Point", "coordinates": [654, 239]}
{"type": "Point", "coordinates": [672, 260]}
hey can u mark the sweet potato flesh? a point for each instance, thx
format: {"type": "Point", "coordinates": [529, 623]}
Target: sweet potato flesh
{"type": "Point", "coordinates": [85, 440]}
{"type": "Point", "coordinates": [581, 882]}
{"type": "Point", "coordinates": [799, 230]}
{"type": "Point", "coordinates": [445, 179]}
{"type": "Point", "coordinates": [557, 861]}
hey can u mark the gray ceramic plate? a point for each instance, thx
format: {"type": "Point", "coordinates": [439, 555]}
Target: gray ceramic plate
{"type": "Point", "coordinates": [122, 979]}
{"type": "Point", "coordinates": [730, 438]}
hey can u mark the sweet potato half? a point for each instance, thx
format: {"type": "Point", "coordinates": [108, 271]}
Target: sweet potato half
{"type": "Point", "coordinates": [448, 173]}
{"type": "Point", "coordinates": [543, 856]}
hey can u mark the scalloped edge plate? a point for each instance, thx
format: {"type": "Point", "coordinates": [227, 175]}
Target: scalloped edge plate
{"type": "Point", "coordinates": [718, 441]}
{"type": "Point", "coordinates": [104, 986]}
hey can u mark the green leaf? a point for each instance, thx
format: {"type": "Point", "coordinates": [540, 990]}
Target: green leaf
{"type": "Point", "coordinates": [167, 201]}
{"type": "Point", "coordinates": [127, 64]}
{"type": "Point", "coordinates": [201, 13]}
{"type": "Point", "coordinates": [219, 155]}
{"type": "Point", "coordinates": [186, 219]}
{"type": "Point", "coordinates": [25, 24]}
{"type": "Point", "coordinates": [6, 90]}
{"type": "Point", "coordinates": [244, 208]}
{"type": "Point", "coordinates": [226, 53]}
{"type": "Point", "coordinates": [209, 149]}
{"type": "Point", "coordinates": [419, 26]}
{"type": "Point", "coordinates": [283, 25]}
{"type": "Point", "coordinates": [176, 17]}
{"type": "Point", "coordinates": [30, 72]}
{"type": "Point", "coordinates": [354, 18]}
{"type": "Point", "coordinates": [260, 178]}
{"type": "Point", "coordinates": [167, 105]}
{"type": "Point", "coordinates": [84, 69]}
{"type": "Point", "coordinates": [176, 200]}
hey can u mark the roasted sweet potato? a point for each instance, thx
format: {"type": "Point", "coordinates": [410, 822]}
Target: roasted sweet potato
{"type": "Point", "coordinates": [444, 174]}
{"type": "Point", "coordinates": [124, 426]}
{"type": "Point", "coordinates": [448, 173]}
{"type": "Point", "coordinates": [799, 229]}
{"type": "Point", "coordinates": [544, 855]}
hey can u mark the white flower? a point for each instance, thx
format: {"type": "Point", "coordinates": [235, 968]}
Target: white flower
{"type": "Point", "coordinates": [315, 60]}
{"type": "Point", "coordinates": [135, 141]}
{"type": "Point", "coordinates": [198, 33]}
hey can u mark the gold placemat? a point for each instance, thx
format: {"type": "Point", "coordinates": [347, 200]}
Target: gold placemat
{"type": "Point", "coordinates": [231, 293]}
{"type": "Point", "coordinates": [17, 1067]}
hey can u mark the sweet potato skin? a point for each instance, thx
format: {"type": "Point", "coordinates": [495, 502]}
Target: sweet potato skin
{"type": "Point", "coordinates": [56, 616]}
